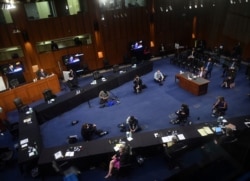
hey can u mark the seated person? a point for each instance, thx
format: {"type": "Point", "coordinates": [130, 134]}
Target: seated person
{"type": "Point", "coordinates": [171, 148]}
{"type": "Point", "coordinates": [88, 130]}
{"type": "Point", "coordinates": [137, 84]}
{"type": "Point", "coordinates": [117, 160]}
{"type": "Point", "coordinates": [41, 74]}
{"type": "Point", "coordinates": [219, 107]}
{"type": "Point", "coordinates": [104, 96]}
{"type": "Point", "coordinates": [132, 124]}
{"type": "Point", "coordinates": [228, 137]}
{"type": "Point", "coordinates": [159, 77]}
{"type": "Point", "coordinates": [182, 114]}
{"type": "Point", "coordinates": [201, 72]}
{"type": "Point", "coordinates": [72, 81]}
{"type": "Point", "coordinates": [228, 82]}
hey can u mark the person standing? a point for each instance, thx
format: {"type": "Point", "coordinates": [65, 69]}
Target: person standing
{"type": "Point", "coordinates": [208, 68]}
{"type": "Point", "coordinates": [72, 81]}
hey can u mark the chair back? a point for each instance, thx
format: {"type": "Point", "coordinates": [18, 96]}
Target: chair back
{"type": "Point", "coordinates": [47, 94]}
{"type": "Point", "coordinates": [18, 103]}
{"type": "Point", "coordinates": [96, 75]}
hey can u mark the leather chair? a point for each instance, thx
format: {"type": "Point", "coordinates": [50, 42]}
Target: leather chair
{"type": "Point", "coordinates": [6, 155]}
{"type": "Point", "coordinates": [66, 169]}
{"type": "Point", "coordinates": [125, 165]}
{"type": "Point", "coordinates": [48, 95]}
{"type": "Point", "coordinates": [21, 107]}
{"type": "Point", "coordinates": [13, 128]}
{"type": "Point", "coordinates": [97, 75]}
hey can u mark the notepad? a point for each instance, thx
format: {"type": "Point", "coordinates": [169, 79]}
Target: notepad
{"type": "Point", "coordinates": [207, 130]}
{"type": "Point", "coordinates": [202, 132]}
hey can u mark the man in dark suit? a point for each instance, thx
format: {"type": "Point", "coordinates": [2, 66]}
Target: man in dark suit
{"type": "Point", "coordinates": [208, 68]}
{"type": "Point", "coordinates": [41, 74]}
{"type": "Point", "coordinates": [88, 131]}
{"type": "Point", "coordinates": [72, 81]}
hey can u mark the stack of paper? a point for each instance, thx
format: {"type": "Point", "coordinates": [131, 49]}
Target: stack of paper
{"type": "Point", "coordinates": [166, 139]}
{"type": "Point", "coordinates": [58, 155]}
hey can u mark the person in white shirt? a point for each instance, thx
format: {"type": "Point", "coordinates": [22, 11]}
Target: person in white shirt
{"type": "Point", "coordinates": [159, 77]}
{"type": "Point", "coordinates": [202, 72]}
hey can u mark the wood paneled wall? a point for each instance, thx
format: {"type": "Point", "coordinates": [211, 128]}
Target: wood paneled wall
{"type": "Point", "coordinates": [121, 27]}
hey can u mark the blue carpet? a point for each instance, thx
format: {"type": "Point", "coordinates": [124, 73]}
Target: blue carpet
{"type": "Point", "coordinates": [154, 107]}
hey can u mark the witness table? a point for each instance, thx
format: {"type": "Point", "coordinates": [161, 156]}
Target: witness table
{"type": "Point", "coordinates": [197, 86]}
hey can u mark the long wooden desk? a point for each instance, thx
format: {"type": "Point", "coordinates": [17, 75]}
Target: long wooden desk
{"type": "Point", "coordinates": [29, 92]}
{"type": "Point", "coordinates": [197, 86]}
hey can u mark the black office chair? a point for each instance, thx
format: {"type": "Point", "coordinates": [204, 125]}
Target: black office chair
{"type": "Point", "coordinates": [13, 128]}
{"type": "Point", "coordinates": [14, 83]}
{"type": "Point", "coordinates": [97, 75]}
{"type": "Point", "coordinates": [106, 64]}
{"type": "Point", "coordinates": [48, 95]}
{"type": "Point", "coordinates": [6, 156]}
{"type": "Point", "coordinates": [126, 164]}
{"type": "Point", "coordinates": [65, 169]}
{"type": "Point", "coordinates": [21, 107]}
{"type": "Point", "coordinates": [174, 153]}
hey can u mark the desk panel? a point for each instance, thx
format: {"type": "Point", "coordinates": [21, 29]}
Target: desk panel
{"type": "Point", "coordinates": [96, 151]}
{"type": "Point", "coordinates": [28, 92]}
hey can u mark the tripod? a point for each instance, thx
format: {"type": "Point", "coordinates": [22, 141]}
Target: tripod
{"type": "Point", "coordinates": [114, 97]}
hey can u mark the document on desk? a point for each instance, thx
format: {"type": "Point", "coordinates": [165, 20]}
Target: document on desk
{"type": "Point", "coordinates": [207, 130]}
{"type": "Point", "coordinates": [166, 139]}
{"type": "Point", "coordinates": [181, 137]}
{"type": "Point", "coordinates": [27, 120]}
{"type": "Point", "coordinates": [58, 155]}
{"type": "Point", "coordinates": [202, 132]}
{"type": "Point", "coordinates": [69, 154]}
{"type": "Point", "coordinates": [24, 141]}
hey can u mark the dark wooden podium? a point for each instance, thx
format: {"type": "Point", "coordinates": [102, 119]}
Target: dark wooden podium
{"type": "Point", "coordinates": [197, 86]}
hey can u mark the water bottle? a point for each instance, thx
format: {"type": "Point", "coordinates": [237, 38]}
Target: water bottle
{"type": "Point", "coordinates": [127, 134]}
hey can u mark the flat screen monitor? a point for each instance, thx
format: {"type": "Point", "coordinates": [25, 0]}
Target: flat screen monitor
{"type": "Point", "coordinates": [72, 59]}
{"type": "Point", "coordinates": [12, 68]}
{"type": "Point", "coordinates": [138, 45]}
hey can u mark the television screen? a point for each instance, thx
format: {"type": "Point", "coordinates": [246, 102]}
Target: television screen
{"type": "Point", "coordinates": [72, 59]}
{"type": "Point", "coordinates": [137, 45]}
{"type": "Point", "coordinates": [12, 68]}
